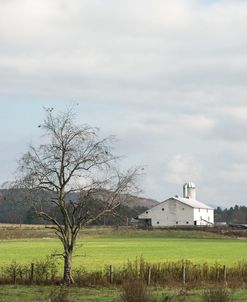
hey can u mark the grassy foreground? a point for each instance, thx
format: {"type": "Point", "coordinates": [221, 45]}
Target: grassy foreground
{"type": "Point", "coordinates": [44, 294]}
{"type": "Point", "coordinates": [99, 247]}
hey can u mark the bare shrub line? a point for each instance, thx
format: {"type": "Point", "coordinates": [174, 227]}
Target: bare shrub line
{"type": "Point", "coordinates": [170, 274]}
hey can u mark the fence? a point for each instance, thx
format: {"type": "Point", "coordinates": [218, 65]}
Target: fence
{"type": "Point", "coordinates": [163, 274]}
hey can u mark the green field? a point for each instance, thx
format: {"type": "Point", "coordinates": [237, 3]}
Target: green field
{"type": "Point", "coordinates": [97, 248]}
{"type": "Point", "coordinates": [44, 293]}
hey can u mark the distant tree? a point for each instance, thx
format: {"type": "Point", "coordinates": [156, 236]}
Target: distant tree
{"type": "Point", "coordinates": [239, 215]}
{"type": "Point", "coordinates": [218, 215]}
{"type": "Point", "coordinates": [236, 214]}
{"type": "Point", "coordinates": [13, 207]}
{"type": "Point", "coordinates": [72, 159]}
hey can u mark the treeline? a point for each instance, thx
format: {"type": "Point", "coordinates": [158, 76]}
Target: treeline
{"type": "Point", "coordinates": [16, 208]}
{"type": "Point", "coordinates": [236, 214]}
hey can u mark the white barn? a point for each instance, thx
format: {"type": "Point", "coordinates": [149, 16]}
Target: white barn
{"type": "Point", "coordinates": [179, 211]}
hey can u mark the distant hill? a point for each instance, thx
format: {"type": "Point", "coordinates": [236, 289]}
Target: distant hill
{"type": "Point", "coordinates": [15, 208]}
{"type": "Point", "coordinates": [136, 201]}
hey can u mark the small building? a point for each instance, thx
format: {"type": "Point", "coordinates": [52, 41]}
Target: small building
{"type": "Point", "coordinates": [179, 211]}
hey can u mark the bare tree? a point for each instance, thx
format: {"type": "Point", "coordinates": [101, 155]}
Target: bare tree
{"type": "Point", "coordinates": [73, 160]}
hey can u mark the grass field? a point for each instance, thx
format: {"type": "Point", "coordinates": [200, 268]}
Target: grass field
{"type": "Point", "coordinates": [99, 247]}
{"type": "Point", "coordinates": [43, 294]}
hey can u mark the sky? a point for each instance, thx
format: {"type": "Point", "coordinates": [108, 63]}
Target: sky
{"type": "Point", "coordinates": [168, 78]}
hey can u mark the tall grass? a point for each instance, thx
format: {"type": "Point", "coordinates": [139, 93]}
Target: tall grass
{"type": "Point", "coordinates": [60, 295]}
{"type": "Point", "coordinates": [135, 290]}
{"type": "Point", "coordinates": [44, 271]}
{"type": "Point", "coordinates": [219, 294]}
{"type": "Point", "coordinates": [164, 274]}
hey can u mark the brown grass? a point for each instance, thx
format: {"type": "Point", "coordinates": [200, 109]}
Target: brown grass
{"type": "Point", "coordinates": [23, 231]}
{"type": "Point", "coordinates": [135, 290]}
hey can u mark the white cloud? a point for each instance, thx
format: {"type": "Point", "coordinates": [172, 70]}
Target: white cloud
{"type": "Point", "coordinates": [182, 168]}
{"type": "Point", "coordinates": [167, 77]}
{"type": "Point", "coordinates": [235, 173]}
{"type": "Point", "coordinates": [238, 114]}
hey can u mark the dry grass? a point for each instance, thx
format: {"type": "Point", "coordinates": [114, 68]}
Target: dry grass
{"type": "Point", "coordinates": [24, 231]}
{"type": "Point", "coordinates": [21, 230]}
{"type": "Point", "coordinates": [218, 294]}
{"type": "Point", "coordinates": [135, 290]}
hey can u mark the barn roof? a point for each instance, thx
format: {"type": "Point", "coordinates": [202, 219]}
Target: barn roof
{"type": "Point", "coordinates": [192, 203]}
{"type": "Point", "coordinates": [188, 201]}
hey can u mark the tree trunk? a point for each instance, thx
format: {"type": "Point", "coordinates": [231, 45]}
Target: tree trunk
{"type": "Point", "coordinates": [67, 275]}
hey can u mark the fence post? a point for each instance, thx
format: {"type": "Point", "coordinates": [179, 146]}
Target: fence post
{"type": "Point", "coordinates": [149, 275]}
{"type": "Point", "coordinates": [14, 275]}
{"type": "Point", "coordinates": [110, 273]}
{"type": "Point", "coordinates": [31, 273]}
{"type": "Point", "coordinates": [225, 274]}
{"type": "Point", "coordinates": [184, 273]}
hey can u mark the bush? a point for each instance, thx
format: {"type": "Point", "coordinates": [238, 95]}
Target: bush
{"type": "Point", "coordinates": [166, 298]}
{"type": "Point", "coordinates": [61, 295]}
{"type": "Point", "coordinates": [135, 291]}
{"type": "Point", "coordinates": [219, 294]}
{"type": "Point", "coordinates": [46, 270]}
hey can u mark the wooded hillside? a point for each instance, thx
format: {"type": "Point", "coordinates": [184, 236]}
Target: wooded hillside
{"type": "Point", "coordinates": [15, 207]}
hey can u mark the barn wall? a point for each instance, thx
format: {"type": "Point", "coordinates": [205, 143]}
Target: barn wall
{"type": "Point", "coordinates": [173, 212]}
{"type": "Point", "coordinates": [203, 214]}
{"type": "Point", "coordinates": [169, 213]}
{"type": "Point", "coordinates": [184, 214]}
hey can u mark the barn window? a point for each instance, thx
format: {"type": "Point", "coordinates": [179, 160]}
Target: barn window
{"type": "Point", "coordinates": [176, 222]}
{"type": "Point", "coordinates": [163, 209]}
{"type": "Point", "coordinates": [158, 222]}
{"type": "Point", "coordinates": [187, 222]}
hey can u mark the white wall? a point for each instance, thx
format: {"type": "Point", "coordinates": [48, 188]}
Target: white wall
{"type": "Point", "coordinates": [203, 214]}
{"type": "Point", "coordinates": [169, 213]}
{"type": "Point", "coordinates": [172, 212]}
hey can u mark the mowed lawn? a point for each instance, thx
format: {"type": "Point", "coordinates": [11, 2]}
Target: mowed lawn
{"type": "Point", "coordinates": [96, 252]}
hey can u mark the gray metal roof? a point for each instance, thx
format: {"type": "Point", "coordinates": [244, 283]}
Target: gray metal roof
{"type": "Point", "coordinates": [192, 203]}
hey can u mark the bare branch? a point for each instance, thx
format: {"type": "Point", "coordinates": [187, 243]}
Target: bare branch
{"type": "Point", "coordinates": [74, 160]}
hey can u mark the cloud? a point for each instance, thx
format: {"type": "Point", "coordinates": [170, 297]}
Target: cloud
{"type": "Point", "coordinates": [180, 40]}
{"type": "Point", "coordinates": [235, 173]}
{"type": "Point", "coordinates": [182, 168]}
{"type": "Point", "coordinates": [167, 77]}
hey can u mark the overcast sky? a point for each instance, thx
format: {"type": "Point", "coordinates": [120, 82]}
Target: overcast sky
{"type": "Point", "coordinates": [168, 78]}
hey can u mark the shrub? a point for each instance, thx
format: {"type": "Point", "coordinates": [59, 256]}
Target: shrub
{"type": "Point", "coordinates": [15, 273]}
{"type": "Point", "coordinates": [61, 295]}
{"type": "Point", "coordinates": [135, 291]}
{"type": "Point", "coordinates": [166, 298]}
{"type": "Point", "coordinates": [85, 278]}
{"type": "Point", "coordinates": [46, 270]}
{"type": "Point", "coordinates": [219, 294]}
